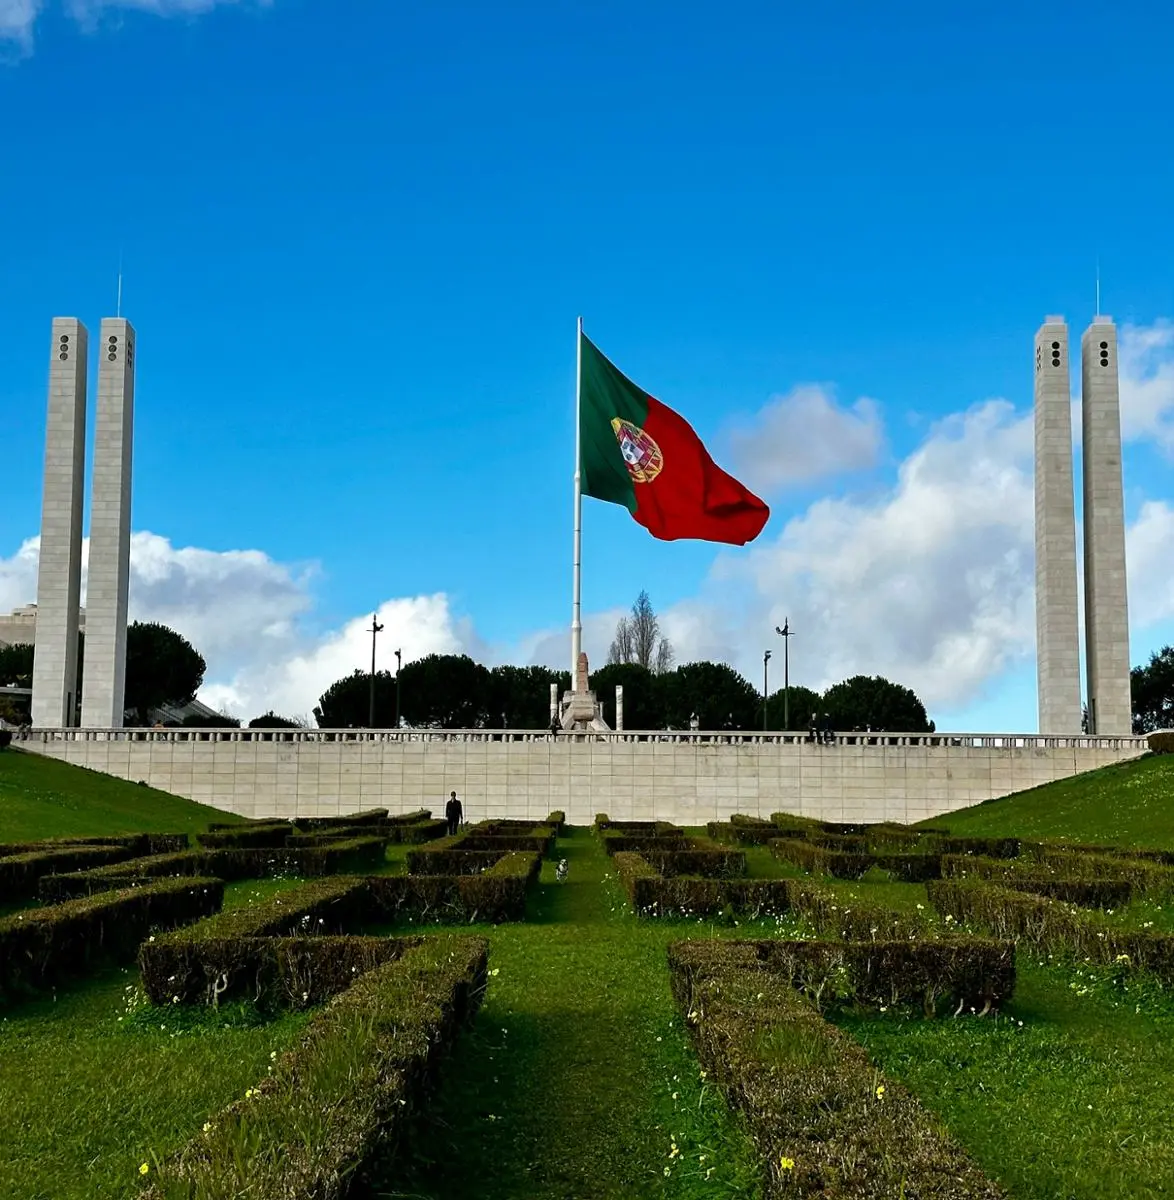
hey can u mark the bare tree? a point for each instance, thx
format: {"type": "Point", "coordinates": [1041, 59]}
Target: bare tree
{"type": "Point", "coordinates": [638, 639]}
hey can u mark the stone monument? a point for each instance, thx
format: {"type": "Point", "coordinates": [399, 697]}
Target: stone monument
{"type": "Point", "coordinates": [580, 709]}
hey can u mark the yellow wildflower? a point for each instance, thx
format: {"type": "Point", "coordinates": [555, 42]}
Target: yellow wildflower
{"type": "Point", "coordinates": [786, 1164]}
{"type": "Point", "coordinates": [143, 1169]}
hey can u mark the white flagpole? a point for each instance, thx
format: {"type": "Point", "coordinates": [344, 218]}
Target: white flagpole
{"type": "Point", "coordinates": [576, 621]}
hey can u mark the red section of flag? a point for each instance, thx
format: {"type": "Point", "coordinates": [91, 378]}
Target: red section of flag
{"type": "Point", "coordinates": [691, 496]}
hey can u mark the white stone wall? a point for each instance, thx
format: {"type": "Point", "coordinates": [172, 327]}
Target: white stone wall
{"type": "Point", "coordinates": [109, 567]}
{"type": "Point", "coordinates": [1056, 602]}
{"type": "Point", "coordinates": [1106, 612]}
{"type": "Point", "coordinates": [679, 777]}
{"type": "Point", "coordinates": [55, 701]}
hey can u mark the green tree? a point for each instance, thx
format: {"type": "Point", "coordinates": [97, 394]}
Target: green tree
{"type": "Point", "coordinates": [715, 692]}
{"type": "Point", "coordinates": [801, 703]}
{"type": "Point", "coordinates": [346, 703]}
{"type": "Point", "coordinates": [215, 721]}
{"type": "Point", "coordinates": [271, 720]}
{"type": "Point", "coordinates": [447, 691]}
{"type": "Point", "coordinates": [16, 665]}
{"type": "Point", "coordinates": [162, 667]}
{"type": "Point", "coordinates": [521, 696]}
{"type": "Point", "coordinates": [870, 702]}
{"type": "Point", "coordinates": [643, 695]}
{"type": "Point", "coordinates": [1153, 692]}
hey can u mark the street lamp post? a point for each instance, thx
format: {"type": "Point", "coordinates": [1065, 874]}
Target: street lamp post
{"type": "Point", "coordinates": [375, 628]}
{"type": "Point", "coordinates": [765, 689]}
{"type": "Point", "coordinates": [786, 634]}
{"type": "Point", "coordinates": [397, 668]}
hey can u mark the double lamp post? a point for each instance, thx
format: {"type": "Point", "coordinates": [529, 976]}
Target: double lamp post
{"type": "Point", "coordinates": [785, 633]}
{"type": "Point", "coordinates": [375, 629]}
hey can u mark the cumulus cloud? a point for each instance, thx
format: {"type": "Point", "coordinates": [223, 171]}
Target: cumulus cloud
{"type": "Point", "coordinates": [1147, 383]}
{"type": "Point", "coordinates": [1149, 551]}
{"type": "Point", "coordinates": [18, 18]}
{"type": "Point", "coordinates": [930, 584]}
{"type": "Point", "coordinates": [805, 435]}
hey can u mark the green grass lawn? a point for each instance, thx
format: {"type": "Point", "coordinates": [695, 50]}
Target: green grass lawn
{"type": "Point", "coordinates": [577, 1079]}
{"type": "Point", "coordinates": [43, 798]}
{"type": "Point", "coordinates": [1128, 804]}
{"type": "Point", "coordinates": [94, 1081]}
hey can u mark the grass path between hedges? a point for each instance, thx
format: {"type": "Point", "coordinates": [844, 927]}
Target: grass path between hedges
{"type": "Point", "coordinates": [93, 1083]}
{"type": "Point", "coordinates": [578, 1079]}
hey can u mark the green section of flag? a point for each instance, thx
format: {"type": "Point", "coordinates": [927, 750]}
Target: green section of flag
{"type": "Point", "coordinates": [604, 394]}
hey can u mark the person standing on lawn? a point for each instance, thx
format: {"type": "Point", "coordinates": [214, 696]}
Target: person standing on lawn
{"type": "Point", "coordinates": [453, 813]}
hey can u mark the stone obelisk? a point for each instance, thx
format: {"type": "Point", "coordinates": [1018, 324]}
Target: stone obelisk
{"type": "Point", "coordinates": [59, 569]}
{"type": "Point", "coordinates": [108, 577]}
{"type": "Point", "coordinates": [1106, 605]}
{"type": "Point", "coordinates": [1056, 593]}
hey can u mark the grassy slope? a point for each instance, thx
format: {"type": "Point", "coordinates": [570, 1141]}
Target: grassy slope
{"type": "Point", "coordinates": [94, 1081]}
{"type": "Point", "coordinates": [43, 798]}
{"type": "Point", "coordinates": [1128, 804]}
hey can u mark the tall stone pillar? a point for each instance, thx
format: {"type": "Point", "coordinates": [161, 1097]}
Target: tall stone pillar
{"type": "Point", "coordinates": [108, 577]}
{"type": "Point", "coordinates": [619, 706]}
{"type": "Point", "coordinates": [1106, 605]}
{"type": "Point", "coordinates": [59, 568]}
{"type": "Point", "coordinates": [1056, 594]}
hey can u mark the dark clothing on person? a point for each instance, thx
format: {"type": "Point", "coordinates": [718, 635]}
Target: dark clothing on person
{"type": "Point", "coordinates": [452, 814]}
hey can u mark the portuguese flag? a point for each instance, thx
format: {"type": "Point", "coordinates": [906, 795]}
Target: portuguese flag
{"type": "Point", "coordinates": [637, 452]}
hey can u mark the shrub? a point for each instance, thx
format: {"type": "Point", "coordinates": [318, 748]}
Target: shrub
{"type": "Point", "coordinates": [909, 868]}
{"type": "Point", "coordinates": [1162, 742]}
{"type": "Point", "coordinates": [5, 738]}
{"type": "Point", "coordinates": [697, 858]}
{"type": "Point", "coordinates": [45, 946]}
{"type": "Point", "coordinates": [347, 1091]}
{"type": "Point", "coordinates": [495, 895]}
{"type": "Point", "coordinates": [987, 847]}
{"type": "Point", "coordinates": [235, 952]}
{"type": "Point", "coordinates": [556, 820]}
{"type": "Point", "coordinates": [964, 972]}
{"type": "Point", "coordinates": [819, 861]}
{"type": "Point", "coordinates": [1052, 925]}
{"type": "Point", "coordinates": [370, 816]}
{"type": "Point", "coordinates": [744, 832]}
{"type": "Point", "coordinates": [601, 821]}
{"type": "Point", "coordinates": [327, 858]}
{"type": "Point", "coordinates": [826, 1122]}
{"type": "Point", "coordinates": [449, 860]}
{"type": "Point", "coordinates": [652, 895]}
{"type": "Point", "coordinates": [20, 873]}
{"type": "Point", "coordinates": [247, 836]}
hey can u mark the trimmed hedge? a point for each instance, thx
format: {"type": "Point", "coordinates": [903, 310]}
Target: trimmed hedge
{"type": "Point", "coordinates": [495, 895]}
{"type": "Point", "coordinates": [556, 820]}
{"type": "Point", "coordinates": [652, 895]}
{"type": "Point", "coordinates": [247, 838]}
{"type": "Point", "coordinates": [347, 1093]}
{"type": "Point", "coordinates": [21, 873]}
{"type": "Point", "coordinates": [963, 973]}
{"type": "Point", "coordinates": [826, 1121]}
{"type": "Point", "coordinates": [234, 952]}
{"type": "Point", "coordinates": [288, 950]}
{"type": "Point", "coordinates": [696, 858]}
{"type": "Point", "coordinates": [745, 831]}
{"type": "Point", "coordinates": [329, 858]}
{"type": "Point", "coordinates": [819, 861]}
{"type": "Point", "coordinates": [986, 847]}
{"type": "Point", "coordinates": [369, 816]}
{"type": "Point", "coordinates": [1052, 925]}
{"type": "Point", "coordinates": [45, 946]}
{"type": "Point", "coordinates": [451, 860]}
{"type": "Point", "coordinates": [1162, 742]}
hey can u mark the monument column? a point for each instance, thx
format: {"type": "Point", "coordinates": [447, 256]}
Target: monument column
{"type": "Point", "coordinates": [1106, 604]}
{"type": "Point", "coordinates": [109, 570]}
{"type": "Point", "coordinates": [59, 567]}
{"type": "Point", "coordinates": [1056, 596]}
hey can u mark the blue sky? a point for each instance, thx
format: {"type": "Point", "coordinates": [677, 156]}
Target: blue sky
{"type": "Point", "coordinates": [355, 239]}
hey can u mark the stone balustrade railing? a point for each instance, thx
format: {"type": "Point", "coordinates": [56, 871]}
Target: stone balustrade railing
{"type": "Point", "coordinates": [1013, 741]}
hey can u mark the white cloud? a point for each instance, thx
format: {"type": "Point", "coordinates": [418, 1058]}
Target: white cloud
{"type": "Point", "coordinates": [1147, 383]}
{"type": "Point", "coordinates": [930, 584]}
{"type": "Point", "coordinates": [18, 18]}
{"type": "Point", "coordinates": [1149, 553]}
{"type": "Point", "coordinates": [805, 435]}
